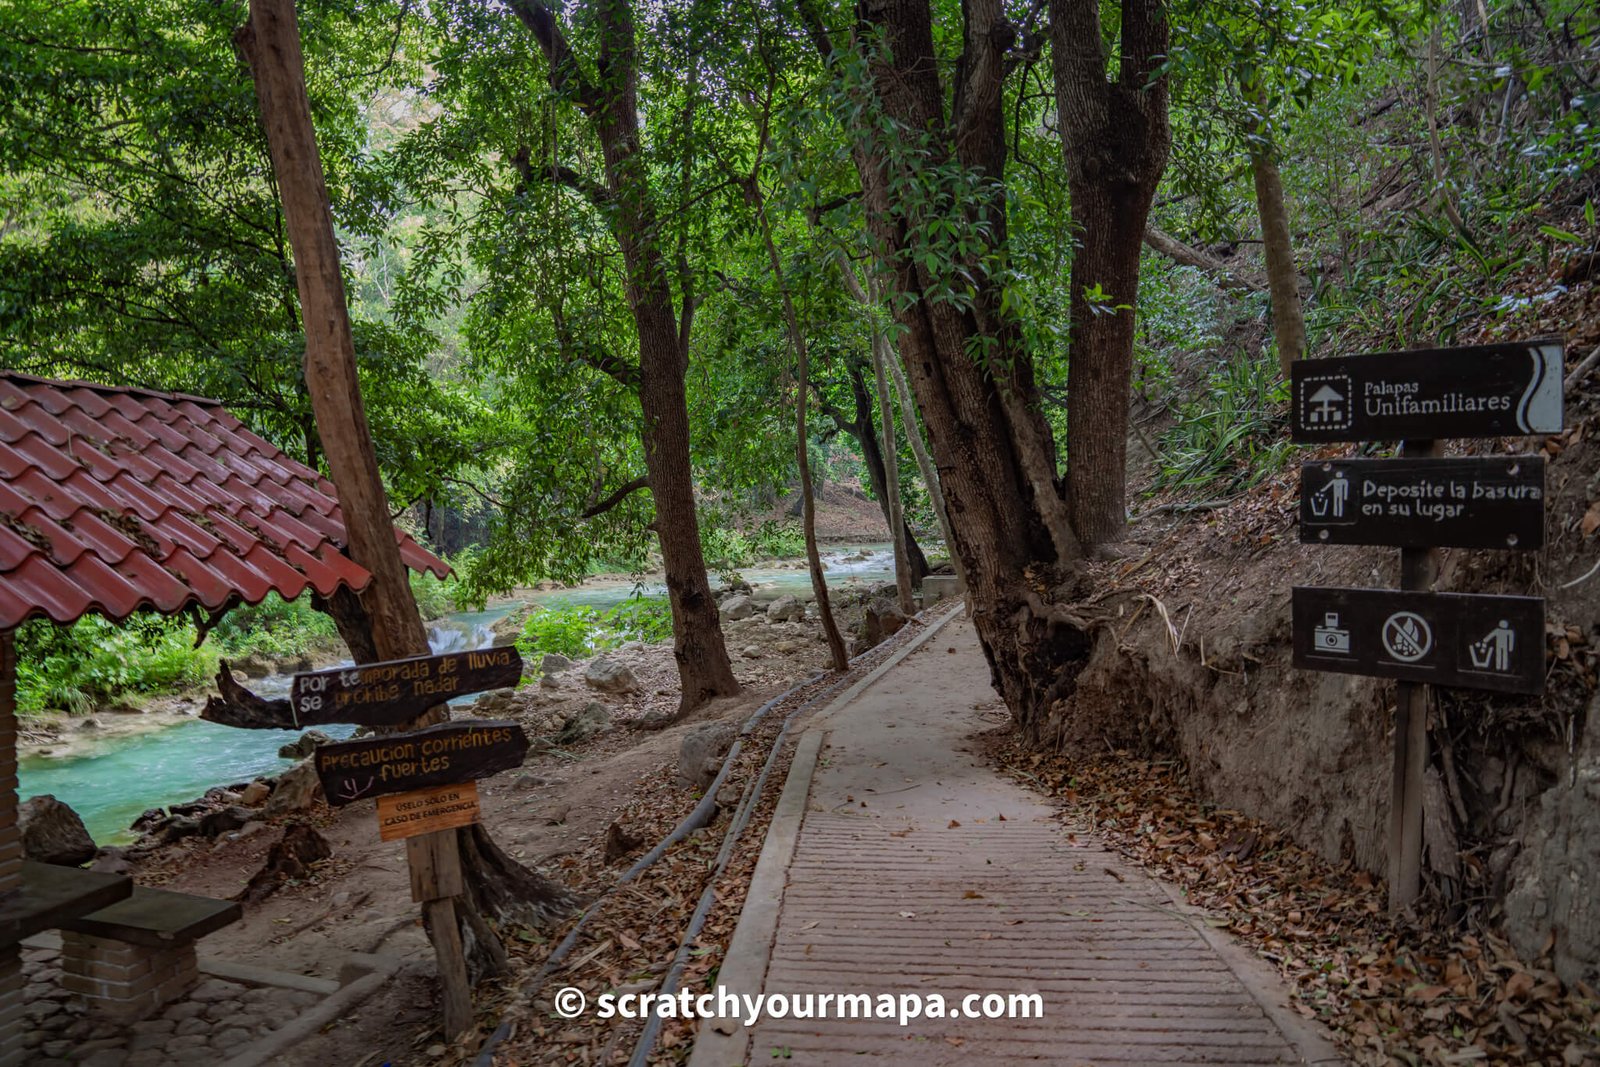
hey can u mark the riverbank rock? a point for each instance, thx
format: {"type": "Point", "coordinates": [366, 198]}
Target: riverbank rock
{"type": "Point", "coordinates": [255, 793]}
{"type": "Point", "coordinates": [554, 663]}
{"type": "Point", "coordinates": [52, 832]}
{"type": "Point", "coordinates": [224, 820]}
{"type": "Point", "coordinates": [296, 790]}
{"type": "Point", "coordinates": [584, 724]}
{"type": "Point", "coordinates": [610, 676]}
{"type": "Point", "coordinates": [700, 753]}
{"type": "Point", "coordinates": [304, 745]}
{"type": "Point", "coordinates": [493, 703]}
{"type": "Point", "coordinates": [738, 607]}
{"type": "Point", "coordinates": [883, 620]}
{"type": "Point", "coordinates": [786, 609]}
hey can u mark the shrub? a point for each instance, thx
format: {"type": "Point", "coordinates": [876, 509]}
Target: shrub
{"type": "Point", "coordinates": [577, 630]}
{"type": "Point", "coordinates": [74, 668]}
{"type": "Point", "coordinates": [1232, 436]}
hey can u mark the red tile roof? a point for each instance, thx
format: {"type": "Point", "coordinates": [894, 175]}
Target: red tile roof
{"type": "Point", "coordinates": [113, 500]}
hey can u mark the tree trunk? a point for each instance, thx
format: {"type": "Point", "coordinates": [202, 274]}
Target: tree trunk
{"type": "Point", "coordinates": [383, 622]}
{"type": "Point", "coordinates": [891, 452]}
{"type": "Point", "coordinates": [991, 443]}
{"type": "Point", "coordinates": [1283, 280]}
{"type": "Point", "coordinates": [930, 477]}
{"type": "Point", "coordinates": [611, 106]}
{"type": "Point", "coordinates": [1115, 137]}
{"type": "Point", "coordinates": [908, 416]}
{"type": "Point", "coordinates": [866, 436]}
{"type": "Point", "coordinates": [1188, 256]}
{"type": "Point", "coordinates": [808, 520]}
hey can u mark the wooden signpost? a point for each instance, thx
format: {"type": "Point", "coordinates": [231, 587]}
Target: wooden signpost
{"type": "Point", "coordinates": [1429, 394]}
{"type": "Point", "coordinates": [399, 691]}
{"type": "Point", "coordinates": [447, 754]}
{"type": "Point", "coordinates": [425, 781]}
{"type": "Point", "coordinates": [1480, 502]}
{"type": "Point", "coordinates": [426, 811]}
{"type": "Point", "coordinates": [1420, 502]}
{"type": "Point", "coordinates": [1457, 639]}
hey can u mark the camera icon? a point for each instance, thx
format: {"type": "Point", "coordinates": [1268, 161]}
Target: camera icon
{"type": "Point", "coordinates": [1329, 637]}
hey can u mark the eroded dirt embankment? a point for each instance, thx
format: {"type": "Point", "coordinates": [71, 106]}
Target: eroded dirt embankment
{"type": "Point", "coordinates": [1193, 662]}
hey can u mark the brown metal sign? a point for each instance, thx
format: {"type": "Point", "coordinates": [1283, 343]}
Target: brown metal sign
{"type": "Point", "coordinates": [1483, 391]}
{"type": "Point", "coordinates": [1482, 502]}
{"type": "Point", "coordinates": [398, 691]}
{"type": "Point", "coordinates": [1450, 639]}
{"type": "Point", "coordinates": [448, 754]}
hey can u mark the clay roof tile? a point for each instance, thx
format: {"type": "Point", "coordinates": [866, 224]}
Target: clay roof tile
{"type": "Point", "coordinates": [118, 500]}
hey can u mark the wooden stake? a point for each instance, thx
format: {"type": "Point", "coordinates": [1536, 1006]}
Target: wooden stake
{"type": "Point", "coordinates": [1419, 569]}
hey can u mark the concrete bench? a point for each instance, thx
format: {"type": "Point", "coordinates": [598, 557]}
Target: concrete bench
{"type": "Point", "coordinates": [131, 958]}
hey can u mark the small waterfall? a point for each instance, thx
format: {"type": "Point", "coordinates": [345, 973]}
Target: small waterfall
{"type": "Point", "coordinates": [448, 635]}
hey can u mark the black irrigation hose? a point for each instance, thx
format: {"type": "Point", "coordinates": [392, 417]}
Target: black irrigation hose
{"type": "Point", "coordinates": [694, 820]}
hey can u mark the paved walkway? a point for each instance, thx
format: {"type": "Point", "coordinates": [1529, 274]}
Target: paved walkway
{"type": "Point", "coordinates": [899, 862]}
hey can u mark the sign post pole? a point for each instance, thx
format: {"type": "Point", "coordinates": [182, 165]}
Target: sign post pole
{"type": "Point", "coordinates": [1419, 569]}
{"type": "Point", "coordinates": [435, 864]}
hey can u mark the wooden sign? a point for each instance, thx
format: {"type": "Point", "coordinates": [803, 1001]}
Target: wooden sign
{"type": "Point", "coordinates": [427, 810]}
{"type": "Point", "coordinates": [1451, 639]}
{"type": "Point", "coordinates": [397, 691]}
{"type": "Point", "coordinates": [1483, 391]}
{"type": "Point", "coordinates": [1483, 502]}
{"type": "Point", "coordinates": [447, 754]}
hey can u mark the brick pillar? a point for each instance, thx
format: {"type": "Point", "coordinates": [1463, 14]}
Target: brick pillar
{"type": "Point", "coordinates": [12, 1054]}
{"type": "Point", "coordinates": [122, 981]}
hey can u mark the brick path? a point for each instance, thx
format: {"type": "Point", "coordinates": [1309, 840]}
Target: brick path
{"type": "Point", "coordinates": [904, 877]}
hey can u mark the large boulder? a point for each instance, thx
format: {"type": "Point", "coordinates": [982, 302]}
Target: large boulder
{"type": "Point", "coordinates": [611, 676]}
{"type": "Point", "coordinates": [304, 745]}
{"type": "Point", "coordinates": [253, 794]}
{"type": "Point", "coordinates": [738, 607]}
{"type": "Point", "coordinates": [700, 753]}
{"type": "Point", "coordinates": [883, 620]}
{"type": "Point", "coordinates": [554, 663]}
{"type": "Point", "coordinates": [296, 790]}
{"type": "Point", "coordinates": [786, 609]}
{"type": "Point", "coordinates": [53, 833]}
{"type": "Point", "coordinates": [584, 724]}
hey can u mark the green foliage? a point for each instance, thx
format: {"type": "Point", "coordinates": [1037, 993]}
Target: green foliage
{"type": "Point", "coordinates": [1233, 436]}
{"type": "Point", "coordinates": [76, 668]}
{"type": "Point", "coordinates": [578, 630]}
{"type": "Point", "coordinates": [274, 628]}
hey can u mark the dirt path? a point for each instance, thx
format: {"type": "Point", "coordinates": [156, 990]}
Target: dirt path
{"type": "Point", "coordinates": [911, 866]}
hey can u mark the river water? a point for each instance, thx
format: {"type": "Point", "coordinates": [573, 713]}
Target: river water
{"type": "Point", "coordinates": [110, 783]}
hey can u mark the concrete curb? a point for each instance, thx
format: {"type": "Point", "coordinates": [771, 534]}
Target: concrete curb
{"type": "Point", "coordinates": [725, 1042]}
{"type": "Point", "coordinates": [308, 1024]}
{"type": "Point", "coordinates": [1308, 1038]}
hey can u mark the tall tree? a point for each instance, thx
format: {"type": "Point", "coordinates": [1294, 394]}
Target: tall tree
{"type": "Point", "coordinates": [802, 379]}
{"type": "Point", "coordinates": [383, 622]}
{"type": "Point", "coordinates": [609, 103]}
{"type": "Point", "coordinates": [932, 187]}
{"type": "Point", "coordinates": [1115, 135]}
